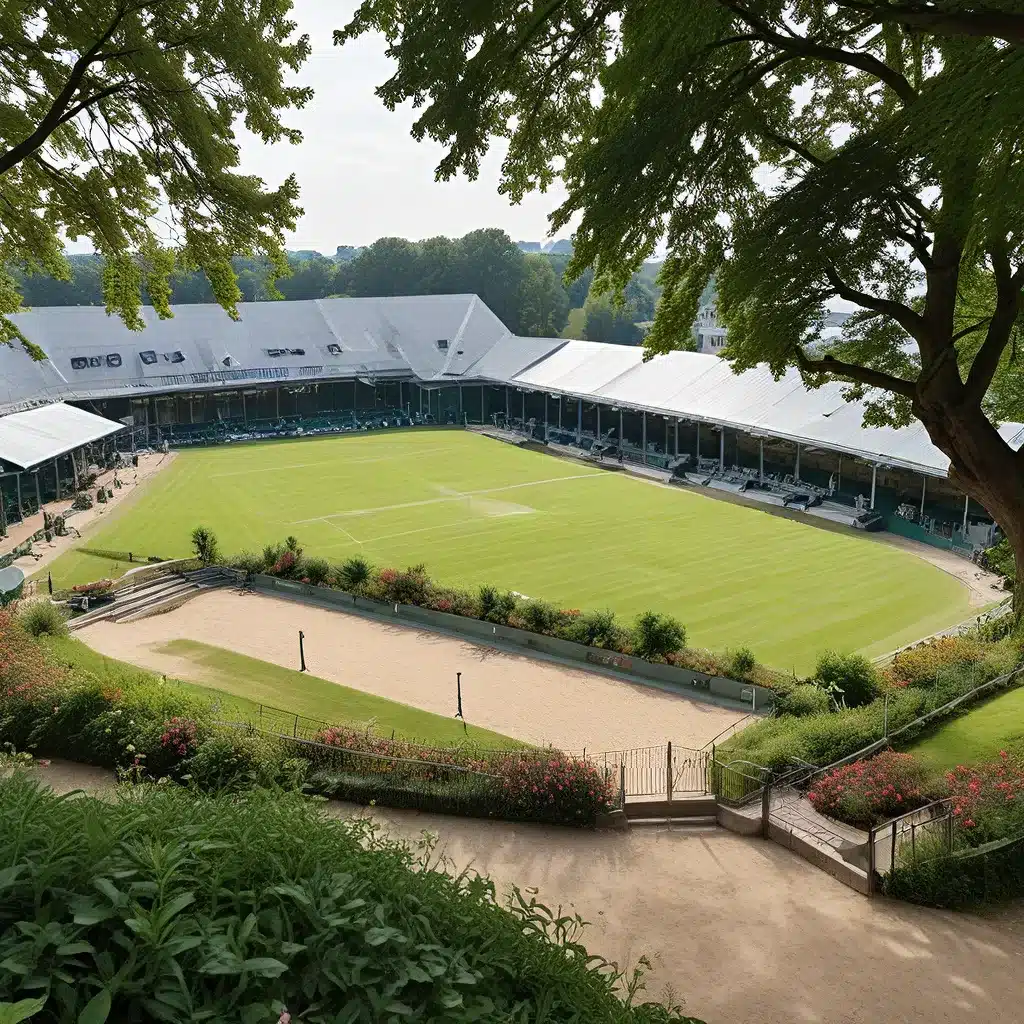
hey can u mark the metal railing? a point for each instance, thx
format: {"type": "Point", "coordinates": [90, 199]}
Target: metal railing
{"type": "Point", "coordinates": [660, 771]}
{"type": "Point", "coordinates": [924, 833]}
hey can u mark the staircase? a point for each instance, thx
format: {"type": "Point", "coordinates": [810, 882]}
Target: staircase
{"type": "Point", "coordinates": [692, 813]}
{"type": "Point", "coordinates": [162, 594]}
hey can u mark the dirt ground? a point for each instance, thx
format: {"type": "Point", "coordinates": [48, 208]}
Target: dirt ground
{"type": "Point", "coordinates": [535, 701]}
{"type": "Point", "coordinates": [740, 931]}
{"type": "Point", "coordinates": [81, 523]}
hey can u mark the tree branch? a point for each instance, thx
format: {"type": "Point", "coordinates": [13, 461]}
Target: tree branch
{"type": "Point", "coordinates": [970, 330]}
{"type": "Point", "coordinates": [986, 362]}
{"type": "Point", "coordinates": [808, 48]}
{"type": "Point", "coordinates": [910, 321]}
{"type": "Point", "coordinates": [856, 373]}
{"type": "Point", "coordinates": [53, 117]}
{"type": "Point", "coordinates": [998, 24]}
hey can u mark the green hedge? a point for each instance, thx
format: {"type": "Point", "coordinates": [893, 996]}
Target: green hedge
{"type": "Point", "coordinates": [986, 874]}
{"type": "Point", "coordinates": [239, 908]}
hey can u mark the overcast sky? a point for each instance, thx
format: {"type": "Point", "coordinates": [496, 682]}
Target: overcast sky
{"type": "Point", "coordinates": [362, 176]}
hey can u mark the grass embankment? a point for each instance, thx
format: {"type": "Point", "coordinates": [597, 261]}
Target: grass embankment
{"type": "Point", "coordinates": [478, 512]}
{"type": "Point", "coordinates": [239, 685]}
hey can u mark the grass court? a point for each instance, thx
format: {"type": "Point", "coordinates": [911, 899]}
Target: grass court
{"type": "Point", "coordinates": [477, 511]}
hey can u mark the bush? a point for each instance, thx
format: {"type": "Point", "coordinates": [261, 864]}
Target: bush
{"type": "Point", "coordinates": [657, 636]}
{"type": "Point", "coordinates": [596, 629]}
{"type": "Point", "coordinates": [354, 574]}
{"type": "Point", "coordinates": [286, 566]}
{"type": "Point", "coordinates": [82, 501]}
{"type": "Point", "coordinates": [395, 587]}
{"type": "Point", "coordinates": [236, 909]}
{"type": "Point", "coordinates": [742, 662]}
{"type": "Point", "coordinates": [232, 760]}
{"type": "Point", "coordinates": [803, 700]}
{"type": "Point", "coordinates": [539, 617]}
{"type": "Point", "coordinates": [101, 496]}
{"type": "Point", "coordinates": [204, 544]}
{"type": "Point", "coordinates": [918, 666]}
{"type": "Point", "coordinates": [999, 559]}
{"type": "Point", "coordinates": [39, 617]}
{"type": "Point", "coordinates": [495, 606]}
{"type": "Point", "coordinates": [318, 571]}
{"type": "Point", "coordinates": [988, 799]}
{"type": "Point", "coordinates": [866, 793]}
{"type": "Point", "coordinates": [850, 678]}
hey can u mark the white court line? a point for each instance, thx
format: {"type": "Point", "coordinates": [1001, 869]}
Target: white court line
{"type": "Point", "coordinates": [355, 540]}
{"type": "Point", "coordinates": [441, 501]}
{"type": "Point", "coordinates": [326, 462]}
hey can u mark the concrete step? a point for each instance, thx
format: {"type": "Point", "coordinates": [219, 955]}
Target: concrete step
{"type": "Point", "coordinates": [151, 598]}
{"type": "Point", "coordinates": [679, 808]}
{"type": "Point", "coordinates": [167, 604]}
{"type": "Point", "coordinates": [705, 823]}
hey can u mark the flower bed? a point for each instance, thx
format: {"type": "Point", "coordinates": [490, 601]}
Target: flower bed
{"type": "Point", "coordinates": [866, 793]}
{"type": "Point", "coordinates": [988, 799]}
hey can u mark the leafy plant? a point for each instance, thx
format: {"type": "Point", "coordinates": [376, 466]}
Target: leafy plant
{"type": "Point", "coordinates": [495, 605]}
{"type": "Point", "coordinates": [742, 661]}
{"type": "Point", "coordinates": [43, 617]}
{"type": "Point", "coordinates": [806, 699]}
{"type": "Point", "coordinates": [657, 636]}
{"type": "Point", "coordinates": [238, 908]}
{"type": "Point", "coordinates": [353, 574]}
{"type": "Point", "coordinates": [204, 544]}
{"type": "Point", "coordinates": [851, 677]}
{"type": "Point", "coordinates": [918, 666]}
{"type": "Point", "coordinates": [317, 571]}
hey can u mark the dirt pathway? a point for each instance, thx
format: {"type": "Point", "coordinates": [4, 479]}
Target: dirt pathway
{"type": "Point", "coordinates": [535, 701]}
{"type": "Point", "coordinates": [739, 930]}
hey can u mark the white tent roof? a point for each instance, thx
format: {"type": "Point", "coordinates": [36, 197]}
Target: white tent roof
{"type": "Point", "coordinates": [29, 438]}
{"type": "Point", "coordinates": [691, 385]}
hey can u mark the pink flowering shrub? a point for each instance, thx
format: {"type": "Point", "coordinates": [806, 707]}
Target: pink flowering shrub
{"type": "Point", "coordinates": [539, 785]}
{"type": "Point", "coordinates": [867, 793]}
{"type": "Point", "coordinates": [285, 564]}
{"type": "Point", "coordinates": [180, 736]}
{"type": "Point", "coordinates": [988, 799]}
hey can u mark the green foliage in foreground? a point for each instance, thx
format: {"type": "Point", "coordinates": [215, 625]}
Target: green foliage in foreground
{"type": "Point", "coordinates": [165, 905]}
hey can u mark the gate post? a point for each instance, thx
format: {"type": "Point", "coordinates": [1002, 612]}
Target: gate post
{"type": "Point", "coordinates": [668, 771]}
{"type": "Point", "coordinates": [622, 786]}
{"type": "Point", "coordinates": [872, 839]}
{"type": "Point", "coordinates": [766, 805]}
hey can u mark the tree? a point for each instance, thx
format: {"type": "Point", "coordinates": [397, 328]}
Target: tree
{"type": "Point", "coordinates": [118, 125]}
{"type": "Point", "coordinates": [391, 266]}
{"type": "Point", "coordinates": [204, 544]}
{"type": "Point", "coordinates": [605, 321]}
{"type": "Point", "coordinates": [888, 133]}
{"type": "Point", "coordinates": [543, 305]}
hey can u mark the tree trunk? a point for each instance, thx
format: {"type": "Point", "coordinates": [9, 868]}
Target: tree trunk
{"type": "Point", "coordinates": [987, 469]}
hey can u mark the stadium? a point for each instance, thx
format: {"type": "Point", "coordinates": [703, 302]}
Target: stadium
{"type": "Point", "coordinates": [308, 369]}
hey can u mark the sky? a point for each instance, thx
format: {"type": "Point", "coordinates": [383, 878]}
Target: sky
{"type": "Point", "coordinates": [361, 174]}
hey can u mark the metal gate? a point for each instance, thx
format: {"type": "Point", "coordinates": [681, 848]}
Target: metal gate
{"type": "Point", "coordinates": [664, 771]}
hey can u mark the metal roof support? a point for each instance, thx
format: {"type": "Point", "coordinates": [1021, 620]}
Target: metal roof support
{"type": "Point", "coordinates": [39, 496]}
{"type": "Point", "coordinates": [760, 474]}
{"type": "Point", "coordinates": [598, 407]}
{"type": "Point", "coordinates": [17, 483]}
{"type": "Point", "coordinates": [545, 416]}
{"type": "Point", "coordinates": [620, 432]}
{"type": "Point", "coordinates": [924, 488]}
{"type": "Point", "coordinates": [721, 450]}
{"type": "Point", "coordinates": [967, 501]}
{"type": "Point", "coordinates": [796, 472]}
{"type": "Point", "coordinates": [677, 438]}
{"type": "Point", "coordinates": [874, 479]}
{"type": "Point", "coordinates": [579, 422]}
{"type": "Point", "coordinates": [645, 437]}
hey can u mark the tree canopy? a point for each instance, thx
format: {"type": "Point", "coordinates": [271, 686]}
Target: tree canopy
{"type": "Point", "coordinates": [801, 151]}
{"type": "Point", "coordinates": [117, 123]}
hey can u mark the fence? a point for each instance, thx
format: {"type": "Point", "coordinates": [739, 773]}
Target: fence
{"type": "Point", "coordinates": [660, 771]}
{"type": "Point", "coordinates": [925, 833]}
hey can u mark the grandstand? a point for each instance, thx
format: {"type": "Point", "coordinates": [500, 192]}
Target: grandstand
{"type": "Point", "coordinates": [336, 365]}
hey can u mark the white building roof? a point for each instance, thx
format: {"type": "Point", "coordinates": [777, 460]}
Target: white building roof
{"type": "Point", "coordinates": [695, 386]}
{"type": "Point", "coordinates": [38, 435]}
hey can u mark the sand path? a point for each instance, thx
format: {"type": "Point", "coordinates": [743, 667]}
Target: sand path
{"type": "Point", "coordinates": [535, 701]}
{"type": "Point", "coordinates": [739, 930]}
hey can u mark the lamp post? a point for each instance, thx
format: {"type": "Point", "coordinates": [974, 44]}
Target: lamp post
{"type": "Point", "coordinates": [458, 690]}
{"type": "Point", "coordinates": [302, 652]}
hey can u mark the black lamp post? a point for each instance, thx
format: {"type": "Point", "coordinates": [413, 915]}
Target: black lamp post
{"type": "Point", "coordinates": [302, 653]}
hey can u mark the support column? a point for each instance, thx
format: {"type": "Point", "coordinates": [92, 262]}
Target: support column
{"type": "Point", "coordinates": [39, 493]}
{"type": "Point", "coordinates": [420, 390]}
{"type": "Point", "coordinates": [524, 410]}
{"type": "Point", "coordinates": [666, 439]}
{"type": "Point", "coordinates": [874, 480]}
{"type": "Point", "coordinates": [245, 411]}
{"type": "Point", "coordinates": [645, 437]}
{"type": "Point", "coordinates": [21, 511]}
{"type": "Point", "coordinates": [579, 422]}
{"type": "Point", "coordinates": [74, 470]}
{"type": "Point", "coordinates": [796, 471]}
{"type": "Point", "coordinates": [559, 413]}
{"type": "Point", "coordinates": [760, 467]}
{"type": "Point", "coordinates": [401, 406]}
{"type": "Point", "coordinates": [508, 412]}
{"type": "Point", "coordinates": [56, 478]}
{"type": "Point", "coordinates": [963, 530]}
{"type": "Point", "coordinates": [483, 407]}
{"type": "Point", "coordinates": [277, 400]}
{"type": "Point", "coordinates": [924, 488]}
{"type": "Point", "coordinates": [598, 407]}
{"type": "Point", "coordinates": [721, 451]}
{"type": "Point", "coordinates": [462, 415]}
{"type": "Point", "coordinates": [839, 485]}
{"type": "Point", "coordinates": [3, 508]}
{"type": "Point", "coordinates": [620, 431]}
{"type": "Point", "coordinates": [698, 440]}
{"type": "Point", "coordinates": [545, 416]}
{"type": "Point", "coordinates": [677, 439]}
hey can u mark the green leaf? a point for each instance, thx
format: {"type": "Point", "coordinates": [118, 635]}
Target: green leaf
{"type": "Point", "coordinates": [74, 948]}
{"type": "Point", "coordinates": [378, 936]}
{"type": "Point", "coordinates": [8, 876]}
{"type": "Point", "coordinates": [14, 966]}
{"type": "Point", "coordinates": [97, 1009]}
{"type": "Point", "coordinates": [265, 966]}
{"type": "Point", "coordinates": [177, 905]}
{"type": "Point", "coordinates": [12, 1013]}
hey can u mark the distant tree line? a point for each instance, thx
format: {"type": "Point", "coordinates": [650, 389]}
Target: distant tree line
{"type": "Point", "coordinates": [525, 290]}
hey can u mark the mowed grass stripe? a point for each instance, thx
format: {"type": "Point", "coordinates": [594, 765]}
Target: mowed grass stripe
{"type": "Point", "coordinates": [588, 539]}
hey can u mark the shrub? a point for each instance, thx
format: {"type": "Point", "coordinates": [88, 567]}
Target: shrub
{"type": "Point", "coordinates": [495, 606]}
{"type": "Point", "coordinates": [286, 565]}
{"type": "Point", "coordinates": [539, 617]}
{"type": "Point", "coordinates": [596, 629]}
{"type": "Point", "coordinates": [452, 600]}
{"type": "Point", "coordinates": [556, 788]}
{"type": "Point", "coordinates": [918, 666]}
{"type": "Point", "coordinates": [849, 677]}
{"type": "Point", "coordinates": [866, 793]}
{"type": "Point", "coordinates": [204, 544]}
{"type": "Point", "coordinates": [396, 587]}
{"type": "Point", "coordinates": [82, 501]}
{"type": "Point", "coordinates": [353, 574]}
{"type": "Point", "coordinates": [39, 617]}
{"type": "Point", "coordinates": [988, 799]}
{"type": "Point", "coordinates": [233, 760]}
{"type": "Point", "coordinates": [999, 559]}
{"type": "Point", "coordinates": [318, 571]}
{"type": "Point", "coordinates": [247, 562]}
{"type": "Point", "coordinates": [101, 496]}
{"type": "Point", "coordinates": [806, 699]}
{"type": "Point", "coordinates": [657, 636]}
{"type": "Point", "coordinates": [266, 904]}
{"type": "Point", "coordinates": [742, 661]}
